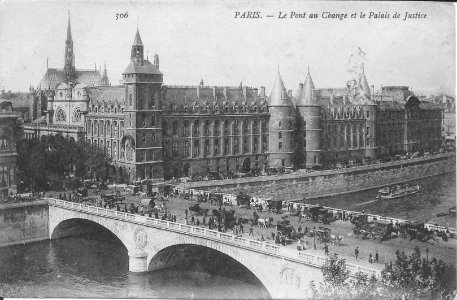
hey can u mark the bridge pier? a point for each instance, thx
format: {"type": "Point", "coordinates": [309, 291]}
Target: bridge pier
{"type": "Point", "coordinates": [138, 261]}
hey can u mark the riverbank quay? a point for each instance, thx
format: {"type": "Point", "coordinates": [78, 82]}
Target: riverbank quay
{"type": "Point", "coordinates": [318, 184]}
{"type": "Point", "coordinates": [23, 222]}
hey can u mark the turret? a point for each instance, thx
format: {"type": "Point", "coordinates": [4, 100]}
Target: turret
{"type": "Point", "coordinates": [137, 53]}
{"type": "Point", "coordinates": [309, 127]}
{"type": "Point", "coordinates": [281, 126]}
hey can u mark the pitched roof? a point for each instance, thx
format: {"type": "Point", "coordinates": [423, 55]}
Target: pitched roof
{"type": "Point", "coordinates": [188, 96]}
{"type": "Point", "coordinates": [278, 96]}
{"type": "Point", "coordinates": [17, 99]}
{"type": "Point", "coordinates": [53, 77]}
{"type": "Point", "coordinates": [145, 68]}
{"type": "Point", "coordinates": [106, 94]}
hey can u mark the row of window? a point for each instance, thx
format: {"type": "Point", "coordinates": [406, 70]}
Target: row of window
{"type": "Point", "coordinates": [215, 128]}
{"type": "Point", "coordinates": [106, 109]}
{"type": "Point", "coordinates": [205, 149]}
{"type": "Point", "coordinates": [102, 128]}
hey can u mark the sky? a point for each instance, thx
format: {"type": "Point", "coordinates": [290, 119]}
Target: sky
{"type": "Point", "coordinates": [203, 40]}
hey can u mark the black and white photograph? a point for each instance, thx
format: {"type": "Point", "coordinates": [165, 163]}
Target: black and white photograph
{"type": "Point", "coordinates": [197, 149]}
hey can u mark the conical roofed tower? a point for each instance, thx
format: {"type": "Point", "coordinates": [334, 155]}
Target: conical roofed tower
{"type": "Point", "coordinates": [364, 87]}
{"type": "Point", "coordinates": [308, 125]}
{"type": "Point", "coordinates": [278, 96]}
{"type": "Point", "coordinates": [306, 95]}
{"type": "Point", "coordinates": [281, 126]}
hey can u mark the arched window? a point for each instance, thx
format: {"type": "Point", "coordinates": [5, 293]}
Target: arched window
{"type": "Point", "coordinates": [77, 115]}
{"type": "Point", "coordinates": [60, 115]}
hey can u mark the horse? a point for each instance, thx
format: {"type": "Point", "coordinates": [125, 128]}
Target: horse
{"type": "Point", "coordinates": [263, 222]}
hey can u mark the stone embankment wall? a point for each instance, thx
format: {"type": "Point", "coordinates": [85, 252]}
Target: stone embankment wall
{"type": "Point", "coordinates": [21, 223]}
{"type": "Point", "coordinates": [333, 182]}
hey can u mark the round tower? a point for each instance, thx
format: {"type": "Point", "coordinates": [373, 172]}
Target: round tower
{"type": "Point", "coordinates": [309, 133]}
{"type": "Point", "coordinates": [281, 126]}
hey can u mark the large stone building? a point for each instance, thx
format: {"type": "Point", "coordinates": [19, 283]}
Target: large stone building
{"type": "Point", "coordinates": [153, 130]}
{"type": "Point", "coordinates": [10, 131]}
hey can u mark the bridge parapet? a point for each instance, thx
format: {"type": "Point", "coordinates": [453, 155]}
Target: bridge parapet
{"type": "Point", "coordinates": [296, 256]}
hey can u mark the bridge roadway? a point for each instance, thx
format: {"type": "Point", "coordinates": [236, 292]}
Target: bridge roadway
{"type": "Point", "coordinates": [284, 272]}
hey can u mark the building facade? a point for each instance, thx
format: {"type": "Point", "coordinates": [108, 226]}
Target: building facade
{"type": "Point", "coordinates": [10, 131]}
{"type": "Point", "coordinates": [158, 131]}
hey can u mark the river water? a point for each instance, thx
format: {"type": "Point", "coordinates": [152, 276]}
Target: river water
{"type": "Point", "coordinates": [81, 267]}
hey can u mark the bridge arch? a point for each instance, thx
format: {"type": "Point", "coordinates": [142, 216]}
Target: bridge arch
{"type": "Point", "coordinates": [82, 226]}
{"type": "Point", "coordinates": [159, 258]}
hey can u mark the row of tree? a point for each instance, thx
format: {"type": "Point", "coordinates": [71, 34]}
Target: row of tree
{"type": "Point", "coordinates": [55, 158]}
{"type": "Point", "coordinates": [409, 277]}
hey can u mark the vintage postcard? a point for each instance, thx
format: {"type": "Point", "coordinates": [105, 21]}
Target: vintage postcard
{"type": "Point", "coordinates": [227, 149]}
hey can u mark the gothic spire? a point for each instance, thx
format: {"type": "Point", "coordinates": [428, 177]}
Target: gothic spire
{"type": "Point", "coordinates": [69, 65]}
{"type": "Point", "coordinates": [69, 38]}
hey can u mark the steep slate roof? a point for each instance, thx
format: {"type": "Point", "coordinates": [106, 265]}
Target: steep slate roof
{"type": "Point", "coordinates": [17, 99]}
{"type": "Point", "coordinates": [306, 95]}
{"type": "Point", "coordinates": [276, 96]}
{"type": "Point", "coordinates": [399, 93]}
{"type": "Point", "coordinates": [53, 77]}
{"type": "Point", "coordinates": [146, 68]}
{"type": "Point", "coordinates": [108, 94]}
{"type": "Point", "coordinates": [180, 96]}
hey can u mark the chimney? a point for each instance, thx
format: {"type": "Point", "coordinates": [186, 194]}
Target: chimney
{"type": "Point", "coordinates": [262, 91]}
{"type": "Point", "coordinates": [245, 92]}
{"type": "Point", "coordinates": [156, 60]}
{"type": "Point", "coordinates": [289, 93]}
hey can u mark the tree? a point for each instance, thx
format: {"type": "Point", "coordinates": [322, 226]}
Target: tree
{"type": "Point", "coordinates": [335, 271]}
{"type": "Point", "coordinates": [53, 159]}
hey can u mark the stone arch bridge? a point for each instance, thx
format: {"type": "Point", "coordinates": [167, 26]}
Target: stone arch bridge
{"type": "Point", "coordinates": [284, 272]}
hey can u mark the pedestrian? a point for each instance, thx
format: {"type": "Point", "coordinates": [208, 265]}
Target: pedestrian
{"type": "Point", "coordinates": [204, 220]}
{"type": "Point", "coordinates": [370, 258]}
{"type": "Point", "coordinates": [326, 249]}
{"type": "Point", "coordinates": [356, 251]}
{"type": "Point", "coordinates": [193, 220]}
{"type": "Point", "coordinates": [241, 228]}
{"type": "Point", "coordinates": [273, 236]}
{"type": "Point", "coordinates": [315, 245]}
{"type": "Point", "coordinates": [186, 212]}
{"type": "Point", "coordinates": [198, 222]}
{"type": "Point", "coordinates": [376, 257]}
{"type": "Point", "coordinates": [262, 239]}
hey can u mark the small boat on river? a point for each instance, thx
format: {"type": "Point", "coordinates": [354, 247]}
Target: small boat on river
{"type": "Point", "coordinates": [398, 191]}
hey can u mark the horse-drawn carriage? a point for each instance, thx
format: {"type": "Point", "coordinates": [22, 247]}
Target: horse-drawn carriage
{"type": "Point", "coordinates": [113, 198]}
{"type": "Point", "coordinates": [323, 235]}
{"type": "Point", "coordinates": [317, 213]}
